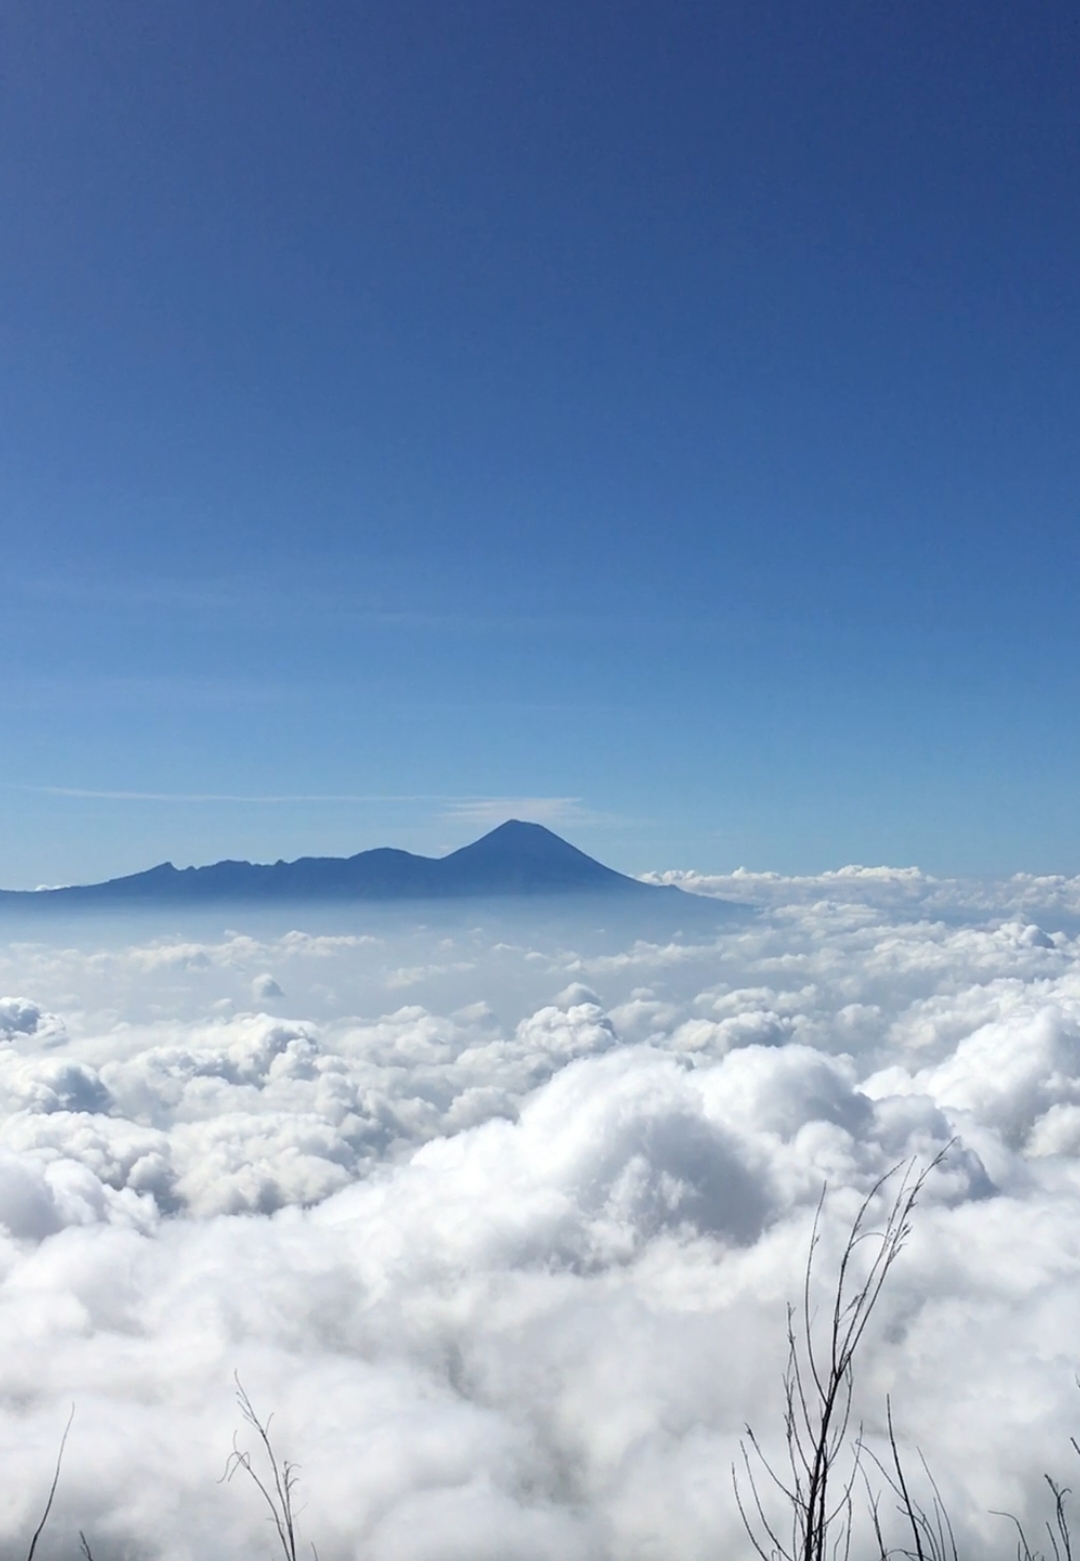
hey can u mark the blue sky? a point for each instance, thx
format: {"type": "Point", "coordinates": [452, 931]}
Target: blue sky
{"type": "Point", "coordinates": [657, 419]}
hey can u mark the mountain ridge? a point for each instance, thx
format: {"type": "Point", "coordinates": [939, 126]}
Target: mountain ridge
{"type": "Point", "coordinates": [516, 858]}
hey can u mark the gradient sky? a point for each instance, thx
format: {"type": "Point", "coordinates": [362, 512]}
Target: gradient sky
{"type": "Point", "coordinates": [664, 412]}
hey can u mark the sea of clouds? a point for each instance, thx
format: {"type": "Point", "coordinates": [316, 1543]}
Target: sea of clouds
{"type": "Point", "coordinates": [499, 1214]}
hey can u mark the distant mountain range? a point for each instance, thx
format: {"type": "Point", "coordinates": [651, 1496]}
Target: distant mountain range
{"type": "Point", "coordinates": [515, 859]}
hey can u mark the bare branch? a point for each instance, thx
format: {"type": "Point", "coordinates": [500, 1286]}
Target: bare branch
{"type": "Point", "coordinates": [277, 1488]}
{"type": "Point", "coordinates": [823, 1454]}
{"type": "Point", "coordinates": [52, 1488]}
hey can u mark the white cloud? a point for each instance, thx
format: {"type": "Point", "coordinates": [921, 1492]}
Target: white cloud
{"type": "Point", "coordinates": [506, 1246]}
{"type": "Point", "coordinates": [18, 1016]}
{"type": "Point", "coordinates": [489, 812]}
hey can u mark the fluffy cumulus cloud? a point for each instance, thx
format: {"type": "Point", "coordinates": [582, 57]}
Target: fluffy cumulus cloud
{"type": "Point", "coordinates": [499, 1216]}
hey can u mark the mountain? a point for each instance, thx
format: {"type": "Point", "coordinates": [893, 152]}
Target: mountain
{"type": "Point", "coordinates": [515, 859]}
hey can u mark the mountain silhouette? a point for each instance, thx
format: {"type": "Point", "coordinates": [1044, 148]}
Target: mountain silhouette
{"type": "Point", "coordinates": [515, 859]}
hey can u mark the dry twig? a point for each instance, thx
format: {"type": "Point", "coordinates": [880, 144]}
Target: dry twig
{"type": "Point", "coordinates": [279, 1483]}
{"type": "Point", "coordinates": [52, 1488]}
{"type": "Point", "coordinates": [823, 1461]}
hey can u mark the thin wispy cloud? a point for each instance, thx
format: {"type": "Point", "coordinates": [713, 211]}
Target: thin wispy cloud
{"type": "Point", "coordinates": [490, 811]}
{"type": "Point", "coordinates": [222, 796]}
{"type": "Point", "coordinates": [476, 810]}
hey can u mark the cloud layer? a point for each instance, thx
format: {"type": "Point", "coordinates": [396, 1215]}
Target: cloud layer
{"type": "Point", "coordinates": [500, 1218]}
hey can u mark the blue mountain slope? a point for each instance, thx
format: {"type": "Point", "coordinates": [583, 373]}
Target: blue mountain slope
{"type": "Point", "coordinates": [515, 859]}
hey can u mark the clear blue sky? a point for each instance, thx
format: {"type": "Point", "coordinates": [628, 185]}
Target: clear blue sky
{"type": "Point", "coordinates": [668, 409]}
